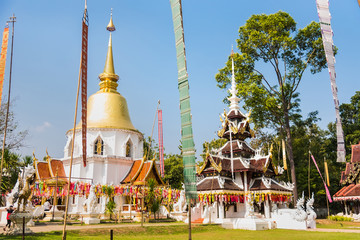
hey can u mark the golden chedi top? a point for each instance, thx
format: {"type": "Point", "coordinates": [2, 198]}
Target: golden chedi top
{"type": "Point", "coordinates": [108, 108]}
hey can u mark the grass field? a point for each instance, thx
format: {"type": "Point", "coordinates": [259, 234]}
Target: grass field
{"type": "Point", "coordinates": [324, 223]}
{"type": "Point", "coordinates": [200, 232]}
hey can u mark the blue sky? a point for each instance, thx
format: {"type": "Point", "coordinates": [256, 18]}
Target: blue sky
{"type": "Point", "coordinates": [47, 52]}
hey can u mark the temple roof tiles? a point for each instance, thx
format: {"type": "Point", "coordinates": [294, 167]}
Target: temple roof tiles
{"type": "Point", "coordinates": [220, 163]}
{"type": "Point", "coordinates": [42, 171]}
{"type": "Point", "coordinates": [141, 171]}
{"type": "Point", "coordinates": [216, 183]}
{"type": "Point", "coordinates": [263, 183]}
{"type": "Point", "coordinates": [236, 146]}
{"type": "Point", "coordinates": [355, 153]}
{"type": "Point", "coordinates": [236, 114]}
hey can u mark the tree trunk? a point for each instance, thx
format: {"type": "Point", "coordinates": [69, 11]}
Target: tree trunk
{"type": "Point", "coordinates": [290, 152]}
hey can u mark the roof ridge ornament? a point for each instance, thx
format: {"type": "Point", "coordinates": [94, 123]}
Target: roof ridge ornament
{"type": "Point", "coordinates": [234, 100]}
{"type": "Point", "coordinates": [108, 79]}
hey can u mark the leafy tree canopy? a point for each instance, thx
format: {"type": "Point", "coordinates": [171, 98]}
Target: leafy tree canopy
{"type": "Point", "coordinates": [174, 170]}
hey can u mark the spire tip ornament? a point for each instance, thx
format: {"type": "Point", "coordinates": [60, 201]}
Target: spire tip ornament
{"type": "Point", "coordinates": [108, 79]}
{"type": "Point", "coordinates": [111, 27]}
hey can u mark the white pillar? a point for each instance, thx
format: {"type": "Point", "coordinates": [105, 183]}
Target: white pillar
{"type": "Point", "coordinates": [267, 208]}
{"type": "Point", "coordinates": [221, 210]}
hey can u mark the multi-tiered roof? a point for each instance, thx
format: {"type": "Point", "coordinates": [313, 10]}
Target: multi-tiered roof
{"type": "Point", "coordinates": [350, 178]}
{"type": "Point", "coordinates": [220, 171]}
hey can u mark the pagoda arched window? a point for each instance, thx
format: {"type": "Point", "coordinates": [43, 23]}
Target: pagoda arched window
{"type": "Point", "coordinates": [129, 150]}
{"type": "Point", "coordinates": [69, 148]}
{"type": "Point", "coordinates": [99, 147]}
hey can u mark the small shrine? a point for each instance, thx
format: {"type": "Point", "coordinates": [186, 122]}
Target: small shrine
{"type": "Point", "coordinates": [237, 181]}
{"type": "Point", "coordinates": [349, 194]}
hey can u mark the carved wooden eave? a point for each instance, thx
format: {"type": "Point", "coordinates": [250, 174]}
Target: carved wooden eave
{"type": "Point", "coordinates": [209, 160]}
{"type": "Point", "coordinates": [267, 164]}
{"type": "Point", "coordinates": [353, 174]}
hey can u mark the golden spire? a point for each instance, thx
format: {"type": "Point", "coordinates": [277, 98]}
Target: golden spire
{"type": "Point", "coordinates": [109, 78]}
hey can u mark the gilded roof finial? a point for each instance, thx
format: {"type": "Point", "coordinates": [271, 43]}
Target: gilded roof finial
{"type": "Point", "coordinates": [109, 78]}
{"type": "Point", "coordinates": [111, 27]}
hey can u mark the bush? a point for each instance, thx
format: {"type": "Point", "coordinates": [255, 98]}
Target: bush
{"type": "Point", "coordinates": [340, 218]}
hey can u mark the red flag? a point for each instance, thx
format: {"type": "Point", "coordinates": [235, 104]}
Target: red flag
{"type": "Point", "coordinates": [161, 144]}
{"type": "Point", "coordinates": [84, 48]}
{"type": "Point", "coordinates": [4, 47]}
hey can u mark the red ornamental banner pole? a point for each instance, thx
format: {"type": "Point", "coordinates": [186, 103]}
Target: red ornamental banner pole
{"type": "Point", "coordinates": [4, 47]}
{"type": "Point", "coordinates": [84, 47]}
{"type": "Point", "coordinates": [161, 143]}
{"type": "Point", "coordinates": [326, 188]}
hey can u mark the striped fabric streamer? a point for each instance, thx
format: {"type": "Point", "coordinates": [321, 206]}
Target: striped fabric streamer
{"type": "Point", "coordinates": [327, 34]}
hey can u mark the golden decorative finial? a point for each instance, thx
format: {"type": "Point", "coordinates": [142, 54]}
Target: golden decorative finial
{"type": "Point", "coordinates": [111, 27]}
{"type": "Point", "coordinates": [108, 78]}
{"type": "Point", "coordinates": [34, 159]}
{"type": "Point", "coordinates": [232, 50]}
{"type": "Point", "coordinates": [47, 155]}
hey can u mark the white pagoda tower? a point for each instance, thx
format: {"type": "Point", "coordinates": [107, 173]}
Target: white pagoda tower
{"type": "Point", "coordinates": [113, 143]}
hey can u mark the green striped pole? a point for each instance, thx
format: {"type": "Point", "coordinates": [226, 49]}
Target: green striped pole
{"type": "Point", "coordinates": [188, 146]}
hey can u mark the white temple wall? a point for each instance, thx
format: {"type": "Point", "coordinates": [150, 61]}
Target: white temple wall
{"type": "Point", "coordinates": [240, 211]}
{"type": "Point", "coordinates": [99, 169]}
{"type": "Point", "coordinates": [238, 179]}
{"type": "Point", "coordinates": [114, 143]}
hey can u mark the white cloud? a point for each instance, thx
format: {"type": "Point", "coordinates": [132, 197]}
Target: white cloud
{"type": "Point", "coordinates": [43, 127]}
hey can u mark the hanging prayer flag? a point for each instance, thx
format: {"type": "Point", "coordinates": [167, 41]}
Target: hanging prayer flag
{"type": "Point", "coordinates": [4, 47]}
{"type": "Point", "coordinates": [187, 140]}
{"type": "Point", "coordinates": [327, 174]}
{"type": "Point", "coordinates": [161, 144]}
{"type": "Point", "coordinates": [84, 48]}
{"type": "Point", "coordinates": [327, 34]}
{"type": "Point", "coordinates": [326, 188]}
{"type": "Point", "coordinates": [284, 154]}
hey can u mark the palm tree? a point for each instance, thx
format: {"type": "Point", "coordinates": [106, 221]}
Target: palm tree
{"type": "Point", "coordinates": [27, 160]}
{"type": "Point", "coordinates": [11, 169]}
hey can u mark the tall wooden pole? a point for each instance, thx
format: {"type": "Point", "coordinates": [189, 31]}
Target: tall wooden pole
{"type": "Point", "coordinates": [189, 209]}
{"type": "Point", "coordinates": [72, 156]}
{"type": "Point", "coordinates": [309, 176]}
{"type": "Point", "coordinates": [74, 126]}
{"type": "Point", "coordinates": [12, 20]}
{"type": "Point", "coordinates": [55, 196]}
{"type": "Point", "coordinates": [142, 208]}
{"type": "Point", "coordinates": [326, 180]}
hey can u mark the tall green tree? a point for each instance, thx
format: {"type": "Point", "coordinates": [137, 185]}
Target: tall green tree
{"type": "Point", "coordinates": [152, 201]}
{"type": "Point", "coordinates": [350, 116]}
{"type": "Point", "coordinates": [150, 147]}
{"type": "Point", "coordinates": [273, 40]}
{"type": "Point", "coordinates": [174, 170]}
{"type": "Point", "coordinates": [15, 139]}
{"type": "Point", "coordinates": [11, 170]}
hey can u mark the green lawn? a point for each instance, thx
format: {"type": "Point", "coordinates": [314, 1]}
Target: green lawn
{"type": "Point", "coordinates": [324, 223]}
{"type": "Point", "coordinates": [200, 232]}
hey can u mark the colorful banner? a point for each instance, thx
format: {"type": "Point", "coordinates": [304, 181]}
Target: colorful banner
{"type": "Point", "coordinates": [4, 47]}
{"type": "Point", "coordinates": [327, 174]}
{"type": "Point", "coordinates": [187, 140]}
{"type": "Point", "coordinates": [82, 189]}
{"type": "Point", "coordinates": [284, 154]}
{"type": "Point", "coordinates": [84, 49]}
{"type": "Point", "coordinates": [327, 34]}
{"type": "Point", "coordinates": [161, 144]}
{"type": "Point", "coordinates": [326, 188]}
